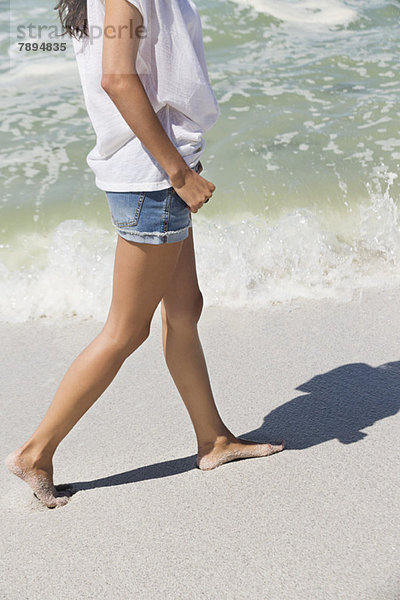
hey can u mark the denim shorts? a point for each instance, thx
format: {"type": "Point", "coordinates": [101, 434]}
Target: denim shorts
{"type": "Point", "coordinates": [155, 217]}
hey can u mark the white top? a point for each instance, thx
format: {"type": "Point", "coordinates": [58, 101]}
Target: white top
{"type": "Point", "coordinates": [172, 68]}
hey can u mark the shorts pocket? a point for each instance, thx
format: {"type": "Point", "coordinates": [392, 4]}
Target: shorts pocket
{"type": "Point", "coordinates": [125, 207]}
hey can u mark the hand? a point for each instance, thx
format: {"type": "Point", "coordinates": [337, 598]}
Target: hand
{"type": "Point", "coordinates": [195, 191]}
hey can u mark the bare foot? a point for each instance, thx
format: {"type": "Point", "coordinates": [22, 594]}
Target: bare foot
{"type": "Point", "coordinates": [232, 449]}
{"type": "Point", "coordinates": [39, 479]}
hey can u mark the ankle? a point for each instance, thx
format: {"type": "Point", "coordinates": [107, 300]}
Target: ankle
{"type": "Point", "coordinates": [38, 455]}
{"type": "Point", "coordinates": [218, 439]}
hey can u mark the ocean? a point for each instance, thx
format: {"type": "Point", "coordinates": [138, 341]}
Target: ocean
{"type": "Point", "coordinates": [304, 156]}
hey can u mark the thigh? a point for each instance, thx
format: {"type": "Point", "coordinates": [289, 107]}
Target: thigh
{"type": "Point", "coordinates": [142, 273]}
{"type": "Point", "coordinates": [183, 293]}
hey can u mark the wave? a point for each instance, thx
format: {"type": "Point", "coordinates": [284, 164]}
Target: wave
{"type": "Point", "coordinates": [249, 262]}
{"type": "Point", "coordinates": [307, 12]}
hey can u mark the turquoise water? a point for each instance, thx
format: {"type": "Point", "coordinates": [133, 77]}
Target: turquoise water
{"type": "Point", "coordinates": [305, 159]}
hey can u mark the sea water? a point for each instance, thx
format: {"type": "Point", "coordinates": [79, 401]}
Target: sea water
{"type": "Point", "coordinates": [304, 157]}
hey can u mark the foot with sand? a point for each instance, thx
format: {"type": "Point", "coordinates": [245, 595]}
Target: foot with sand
{"type": "Point", "coordinates": [39, 478]}
{"type": "Point", "coordinates": [232, 448]}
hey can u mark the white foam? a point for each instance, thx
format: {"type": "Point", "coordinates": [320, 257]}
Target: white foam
{"type": "Point", "coordinates": [308, 12]}
{"type": "Point", "coordinates": [72, 275]}
{"type": "Point", "coordinates": [39, 72]}
{"type": "Point", "coordinates": [249, 262]}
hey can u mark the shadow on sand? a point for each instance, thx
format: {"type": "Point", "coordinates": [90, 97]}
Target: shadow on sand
{"type": "Point", "coordinates": [336, 405]}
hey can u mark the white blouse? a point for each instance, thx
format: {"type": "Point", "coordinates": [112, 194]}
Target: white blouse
{"type": "Point", "coordinates": [172, 68]}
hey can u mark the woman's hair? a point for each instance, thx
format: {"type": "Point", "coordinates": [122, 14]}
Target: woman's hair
{"type": "Point", "coordinates": [73, 17]}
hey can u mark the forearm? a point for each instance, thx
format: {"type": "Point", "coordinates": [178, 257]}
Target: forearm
{"type": "Point", "coordinates": [129, 96]}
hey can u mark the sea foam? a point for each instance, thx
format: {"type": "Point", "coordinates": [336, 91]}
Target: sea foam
{"type": "Point", "coordinates": [248, 262]}
{"type": "Point", "coordinates": [306, 12]}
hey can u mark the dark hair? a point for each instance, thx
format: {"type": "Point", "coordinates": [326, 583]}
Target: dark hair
{"type": "Point", "coordinates": [73, 17]}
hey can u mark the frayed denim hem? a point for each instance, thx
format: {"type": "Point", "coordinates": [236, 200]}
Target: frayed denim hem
{"type": "Point", "coordinates": [149, 237]}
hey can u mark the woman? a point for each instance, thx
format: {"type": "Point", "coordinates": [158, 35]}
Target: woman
{"type": "Point", "coordinates": [149, 98]}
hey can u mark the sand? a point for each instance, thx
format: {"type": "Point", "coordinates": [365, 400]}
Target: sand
{"type": "Point", "coordinates": [319, 520]}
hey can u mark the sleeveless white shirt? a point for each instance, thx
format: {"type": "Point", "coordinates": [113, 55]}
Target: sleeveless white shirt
{"type": "Point", "coordinates": [172, 68]}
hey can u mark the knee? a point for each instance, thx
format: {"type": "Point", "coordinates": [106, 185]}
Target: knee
{"type": "Point", "coordinates": [183, 317]}
{"type": "Point", "coordinates": [132, 341]}
{"type": "Point", "coordinates": [125, 340]}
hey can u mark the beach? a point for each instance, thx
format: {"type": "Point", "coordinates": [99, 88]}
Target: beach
{"type": "Point", "coordinates": [319, 520]}
{"type": "Point", "coordinates": [298, 260]}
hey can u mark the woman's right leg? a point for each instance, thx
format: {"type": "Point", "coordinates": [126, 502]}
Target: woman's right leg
{"type": "Point", "coordinates": [141, 275]}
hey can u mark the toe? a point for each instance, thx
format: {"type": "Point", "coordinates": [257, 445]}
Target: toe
{"type": "Point", "coordinates": [62, 501]}
{"type": "Point", "coordinates": [279, 446]}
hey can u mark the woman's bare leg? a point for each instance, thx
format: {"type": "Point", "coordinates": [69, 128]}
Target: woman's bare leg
{"type": "Point", "coordinates": [142, 273]}
{"type": "Point", "coordinates": [181, 308]}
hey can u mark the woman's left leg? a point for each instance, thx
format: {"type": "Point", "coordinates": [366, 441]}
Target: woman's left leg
{"type": "Point", "coordinates": [181, 308]}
